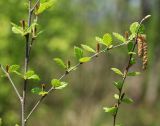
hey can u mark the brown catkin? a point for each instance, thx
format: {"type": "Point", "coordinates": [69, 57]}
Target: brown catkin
{"type": "Point", "coordinates": [140, 45]}
{"type": "Point", "coordinates": [145, 57]}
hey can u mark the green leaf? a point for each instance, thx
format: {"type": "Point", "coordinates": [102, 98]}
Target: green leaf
{"type": "Point", "coordinates": [63, 85]}
{"type": "Point", "coordinates": [16, 125]}
{"type": "Point", "coordinates": [60, 62]}
{"type": "Point", "coordinates": [29, 29]}
{"type": "Point", "coordinates": [131, 53]}
{"type": "Point", "coordinates": [13, 68]}
{"type": "Point", "coordinates": [111, 110]}
{"type": "Point", "coordinates": [134, 27]}
{"type": "Point", "coordinates": [141, 29]}
{"type": "Point", "coordinates": [119, 37]}
{"type": "Point", "coordinates": [57, 84]}
{"type": "Point", "coordinates": [118, 85]}
{"type": "Point", "coordinates": [45, 5]}
{"type": "Point", "coordinates": [87, 48]}
{"type": "Point", "coordinates": [116, 96]}
{"type": "Point", "coordinates": [17, 29]}
{"type": "Point", "coordinates": [36, 90]}
{"type": "Point", "coordinates": [107, 40]}
{"type": "Point", "coordinates": [78, 52]}
{"type": "Point", "coordinates": [84, 59]}
{"type": "Point", "coordinates": [133, 73]}
{"type": "Point", "coordinates": [31, 75]}
{"type": "Point", "coordinates": [127, 100]}
{"type": "Point", "coordinates": [117, 71]}
{"type": "Point", "coordinates": [42, 93]}
{"type": "Point", "coordinates": [98, 39]}
{"type": "Point", "coordinates": [130, 46]}
{"type": "Point", "coordinates": [133, 61]}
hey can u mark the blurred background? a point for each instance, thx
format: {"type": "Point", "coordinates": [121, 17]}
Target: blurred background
{"type": "Point", "coordinates": [69, 23]}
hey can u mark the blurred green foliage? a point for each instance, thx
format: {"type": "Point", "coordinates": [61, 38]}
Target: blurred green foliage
{"type": "Point", "coordinates": [75, 22]}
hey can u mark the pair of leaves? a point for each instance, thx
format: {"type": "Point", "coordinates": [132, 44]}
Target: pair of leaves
{"type": "Point", "coordinates": [39, 91]}
{"type": "Point", "coordinates": [44, 5]}
{"type": "Point", "coordinates": [28, 75]}
{"type": "Point", "coordinates": [106, 40]}
{"type": "Point", "coordinates": [125, 99]}
{"type": "Point", "coordinates": [31, 75]}
{"type": "Point", "coordinates": [19, 30]}
{"type": "Point", "coordinates": [78, 52]}
{"type": "Point", "coordinates": [57, 84]}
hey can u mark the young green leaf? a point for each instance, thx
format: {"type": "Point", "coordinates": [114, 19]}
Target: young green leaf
{"type": "Point", "coordinates": [119, 37]}
{"type": "Point", "coordinates": [13, 68]}
{"type": "Point", "coordinates": [127, 100]}
{"type": "Point", "coordinates": [63, 85]}
{"type": "Point", "coordinates": [45, 5]}
{"type": "Point", "coordinates": [17, 29]}
{"type": "Point", "coordinates": [130, 46]}
{"type": "Point", "coordinates": [60, 62]}
{"type": "Point", "coordinates": [16, 125]}
{"type": "Point", "coordinates": [117, 71]}
{"type": "Point", "coordinates": [31, 75]}
{"type": "Point", "coordinates": [87, 48]}
{"type": "Point", "coordinates": [78, 52]}
{"type": "Point", "coordinates": [131, 53]}
{"type": "Point", "coordinates": [134, 27]}
{"type": "Point", "coordinates": [84, 59]}
{"type": "Point", "coordinates": [57, 84]}
{"type": "Point", "coordinates": [107, 39]}
{"type": "Point", "coordinates": [118, 85]}
{"type": "Point", "coordinates": [99, 40]}
{"type": "Point", "coordinates": [42, 93]}
{"type": "Point", "coordinates": [111, 110]}
{"type": "Point", "coordinates": [133, 61]}
{"type": "Point", "coordinates": [36, 90]}
{"type": "Point", "coordinates": [133, 73]}
{"type": "Point", "coordinates": [116, 96]}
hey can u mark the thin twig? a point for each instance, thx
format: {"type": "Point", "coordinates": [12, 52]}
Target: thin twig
{"type": "Point", "coordinates": [66, 73]}
{"type": "Point", "coordinates": [26, 65]}
{"type": "Point", "coordinates": [37, 2]}
{"type": "Point", "coordinates": [12, 83]}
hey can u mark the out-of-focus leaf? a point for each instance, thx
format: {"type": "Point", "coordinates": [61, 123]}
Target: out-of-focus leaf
{"type": "Point", "coordinates": [127, 100]}
{"type": "Point", "coordinates": [133, 73]}
{"type": "Point", "coordinates": [116, 96]}
{"type": "Point", "coordinates": [118, 85]}
{"type": "Point", "coordinates": [60, 62]}
{"type": "Point", "coordinates": [31, 75]}
{"type": "Point", "coordinates": [119, 37]}
{"type": "Point", "coordinates": [117, 71]}
{"type": "Point", "coordinates": [44, 5]}
{"type": "Point", "coordinates": [36, 90]}
{"type": "Point", "coordinates": [84, 59]}
{"type": "Point", "coordinates": [111, 110]}
{"type": "Point", "coordinates": [78, 52]}
{"type": "Point", "coordinates": [107, 39]}
{"type": "Point", "coordinates": [88, 48]}
{"type": "Point", "coordinates": [57, 84]}
{"type": "Point", "coordinates": [134, 27]}
{"type": "Point", "coordinates": [13, 68]}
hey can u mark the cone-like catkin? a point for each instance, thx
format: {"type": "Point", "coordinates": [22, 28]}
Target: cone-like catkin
{"type": "Point", "coordinates": [140, 45]}
{"type": "Point", "coordinates": [145, 58]}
